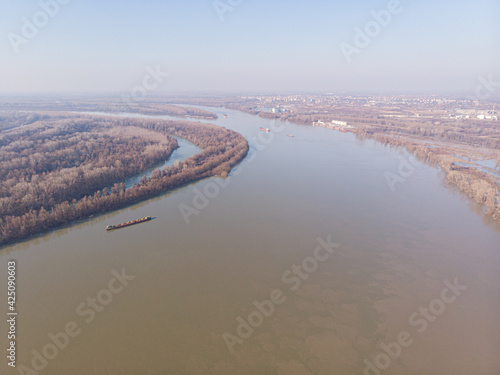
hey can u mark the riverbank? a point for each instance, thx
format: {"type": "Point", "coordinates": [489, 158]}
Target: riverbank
{"type": "Point", "coordinates": [459, 167]}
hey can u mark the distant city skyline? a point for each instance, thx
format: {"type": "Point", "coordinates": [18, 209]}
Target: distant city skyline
{"type": "Point", "coordinates": [248, 46]}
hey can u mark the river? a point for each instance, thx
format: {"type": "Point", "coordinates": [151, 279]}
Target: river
{"type": "Point", "coordinates": [329, 248]}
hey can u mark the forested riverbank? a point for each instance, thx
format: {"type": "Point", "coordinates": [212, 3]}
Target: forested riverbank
{"type": "Point", "coordinates": [55, 172]}
{"type": "Point", "coordinates": [459, 148]}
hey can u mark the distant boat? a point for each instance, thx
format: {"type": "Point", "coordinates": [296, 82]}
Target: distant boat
{"type": "Point", "coordinates": [225, 116]}
{"type": "Point", "coordinates": [122, 225]}
{"type": "Point", "coordinates": [289, 135]}
{"type": "Point", "coordinates": [265, 130]}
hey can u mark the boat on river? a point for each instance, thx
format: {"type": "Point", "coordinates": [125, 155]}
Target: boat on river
{"type": "Point", "coordinates": [265, 130]}
{"type": "Point", "coordinates": [128, 223]}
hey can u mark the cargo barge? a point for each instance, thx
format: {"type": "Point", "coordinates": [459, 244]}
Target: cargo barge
{"type": "Point", "coordinates": [128, 223]}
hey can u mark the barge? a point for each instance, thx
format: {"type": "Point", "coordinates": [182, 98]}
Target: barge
{"type": "Point", "coordinates": [128, 223]}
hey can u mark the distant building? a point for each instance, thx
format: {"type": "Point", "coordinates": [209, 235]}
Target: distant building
{"type": "Point", "coordinates": [341, 123]}
{"type": "Point", "coordinates": [278, 110]}
{"type": "Point", "coordinates": [335, 125]}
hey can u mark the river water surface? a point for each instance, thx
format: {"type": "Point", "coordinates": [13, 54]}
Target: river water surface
{"type": "Point", "coordinates": [217, 246]}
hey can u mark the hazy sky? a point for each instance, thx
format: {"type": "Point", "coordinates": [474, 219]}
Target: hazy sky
{"type": "Point", "coordinates": [257, 45]}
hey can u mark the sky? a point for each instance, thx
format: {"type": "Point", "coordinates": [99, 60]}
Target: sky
{"type": "Point", "coordinates": [248, 46]}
